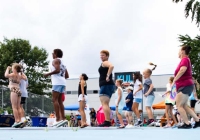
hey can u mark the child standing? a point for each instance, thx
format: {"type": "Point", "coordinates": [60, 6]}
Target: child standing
{"type": "Point", "coordinates": [149, 93]}
{"type": "Point", "coordinates": [15, 95]}
{"type": "Point", "coordinates": [120, 102]}
{"type": "Point", "coordinates": [169, 103]}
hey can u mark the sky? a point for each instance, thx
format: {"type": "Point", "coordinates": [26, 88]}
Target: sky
{"type": "Point", "coordinates": [134, 32]}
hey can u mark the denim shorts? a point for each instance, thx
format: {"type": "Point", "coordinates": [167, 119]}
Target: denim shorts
{"type": "Point", "coordinates": [107, 90]}
{"type": "Point", "coordinates": [137, 100]}
{"type": "Point", "coordinates": [149, 100]}
{"type": "Point", "coordinates": [58, 88]}
{"type": "Point", "coordinates": [186, 90]}
{"type": "Point", "coordinates": [129, 109]}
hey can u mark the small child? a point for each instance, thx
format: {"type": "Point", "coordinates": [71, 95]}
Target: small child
{"type": "Point", "coordinates": [149, 93]}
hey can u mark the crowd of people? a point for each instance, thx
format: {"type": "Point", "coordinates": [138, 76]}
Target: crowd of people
{"type": "Point", "coordinates": [182, 80]}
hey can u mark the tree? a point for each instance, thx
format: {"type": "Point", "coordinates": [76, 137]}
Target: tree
{"type": "Point", "coordinates": [193, 7]}
{"type": "Point", "coordinates": [33, 59]}
{"type": "Point", "coordinates": [194, 54]}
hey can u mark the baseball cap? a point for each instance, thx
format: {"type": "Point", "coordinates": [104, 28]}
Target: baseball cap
{"type": "Point", "coordinates": [129, 87]}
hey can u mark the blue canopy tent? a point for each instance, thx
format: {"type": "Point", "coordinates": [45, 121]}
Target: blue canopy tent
{"type": "Point", "coordinates": [72, 107]}
{"type": "Point", "coordinates": [114, 107]}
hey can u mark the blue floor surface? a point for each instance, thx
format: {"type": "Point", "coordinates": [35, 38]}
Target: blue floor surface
{"type": "Point", "coordinates": [92, 133]}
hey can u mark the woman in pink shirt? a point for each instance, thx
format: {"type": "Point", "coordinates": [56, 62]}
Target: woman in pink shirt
{"type": "Point", "coordinates": [184, 87]}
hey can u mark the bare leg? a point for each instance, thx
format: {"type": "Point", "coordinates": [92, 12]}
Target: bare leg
{"type": "Point", "coordinates": [127, 117]}
{"type": "Point", "coordinates": [14, 101]}
{"type": "Point", "coordinates": [181, 101]}
{"type": "Point", "coordinates": [135, 110]}
{"type": "Point", "coordinates": [167, 109]}
{"type": "Point", "coordinates": [106, 109]}
{"type": "Point", "coordinates": [172, 115]}
{"type": "Point", "coordinates": [149, 112]}
{"type": "Point", "coordinates": [191, 112]}
{"type": "Point", "coordinates": [56, 105]}
{"type": "Point", "coordinates": [82, 112]}
{"type": "Point", "coordinates": [61, 107]}
{"type": "Point", "coordinates": [120, 119]}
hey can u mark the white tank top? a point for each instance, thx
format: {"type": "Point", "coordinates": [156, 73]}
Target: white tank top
{"type": "Point", "coordinates": [59, 79]}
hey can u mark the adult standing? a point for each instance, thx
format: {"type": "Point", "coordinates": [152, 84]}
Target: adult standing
{"type": "Point", "coordinates": [58, 74]}
{"type": "Point", "coordinates": [107, 86]}
{"type": "Point", "coordinates": [184, 87]}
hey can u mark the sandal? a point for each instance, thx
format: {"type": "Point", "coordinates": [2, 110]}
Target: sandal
{"type": "Point", "coordinates": [83, 126]}
{"type": "Point", "coordinates": [121, 127]}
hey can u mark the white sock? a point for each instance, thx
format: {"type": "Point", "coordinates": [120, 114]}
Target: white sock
{"type": "Point", "coordinates": [23, 119]}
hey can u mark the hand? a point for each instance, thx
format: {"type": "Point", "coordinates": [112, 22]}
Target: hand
{"type": "Point", "coordinates": [146, 94]}
{"type": "Point", "coordinates": [173, 83]}
{"type": "Point", "coordinates": [107, 79]}
{"type": "Point", "coordinates": [46, 75]}
{"type": "Point", "coordinates": [134, 93]}
{"type": "Point", "coordinates": [9, 67]}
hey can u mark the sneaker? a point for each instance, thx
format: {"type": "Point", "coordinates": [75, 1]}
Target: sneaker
{"type": "Point", "coordinates": [105, 124]}
{"type": "Point", "coordinates": [62, 123]}
{"type": "Point", "coordinates": [24, 123]}
{"type": "Point", "coordinates": [152, 123]}
{"type": "Point", "coordinates": [128, 126]}
{"type": "Point", "coordinates": [17, 124]}
{"type": "Point", "coordinates": [176, 125]}
{"type": "Point", "coordinates": [197, 124]}
{"type": "Point", "coordinates": [167, 126]}
{"type": "Point", "coordinates": [185, 126]}
{"type": "Point", "coordinates": [57, 123]}
{"type": "Point", "coordinates": [138, 123]}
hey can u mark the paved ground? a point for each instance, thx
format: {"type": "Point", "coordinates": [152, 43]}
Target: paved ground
{"type": "Point", "coordinates": [91, 133]}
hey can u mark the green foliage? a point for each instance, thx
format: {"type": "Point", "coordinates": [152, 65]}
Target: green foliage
{"type": "Point", "coordinates": [34, 62]}
{"type": "Point", "coordinates": [193, 7]}
{"type": "Point", "coordinates": [194, 55]}
{"type": "Point", "coordinates": [68, 117]}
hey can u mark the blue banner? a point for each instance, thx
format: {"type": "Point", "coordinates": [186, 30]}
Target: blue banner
{"type": "Point", "coordinates": [127, 77]}
{"type": "Point", "coordinates": [6, 120]}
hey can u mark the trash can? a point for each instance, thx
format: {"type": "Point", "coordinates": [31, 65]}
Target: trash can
{"type": "Point", "coordinates": [39, 121]}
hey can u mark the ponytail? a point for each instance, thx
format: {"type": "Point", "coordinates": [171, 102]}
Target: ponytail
{"type": "Point", "coordinates": [152, 64]}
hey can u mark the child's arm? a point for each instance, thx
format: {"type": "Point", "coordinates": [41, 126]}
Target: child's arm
{"type": "Point", "coordinates": [150, 89]}
{"type": "Point", "coordinates": [119, 97]}
{"type": "Point", "coordinates": [7, 74]}
{"type": "Point", "coordinates": [23, 76]}
{"type": "Point", "coordinates": [127, 100]}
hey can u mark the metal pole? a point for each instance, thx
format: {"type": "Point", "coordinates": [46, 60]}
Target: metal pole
{"type": "Point", "coordinates": [2, 97]}
{"type": "Point", "coordinates": [142, 111]}
{"type": "Point", "coordinates": [42, 104]}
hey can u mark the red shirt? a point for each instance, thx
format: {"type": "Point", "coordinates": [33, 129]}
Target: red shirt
{"type": "Point", "coordinates": [186, 78]}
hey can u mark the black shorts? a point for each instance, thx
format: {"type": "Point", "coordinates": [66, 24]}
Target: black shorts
{"type": "Point", "coordinates": [169, 104]}
{"type": "Point", "coordinates": [23, 100]}
{"type": "Point", "coordinates": [192, 103]}
{"type": "Point", "coordinates": [186, 90]}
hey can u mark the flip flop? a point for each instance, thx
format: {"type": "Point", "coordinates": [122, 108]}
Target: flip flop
{"type": "Point", "coordinates": [121, 127]}
{"type": "Point", "coordinates": [85, 125]}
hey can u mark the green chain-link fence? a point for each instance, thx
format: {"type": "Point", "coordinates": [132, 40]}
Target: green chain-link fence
{"type": "Point", "coordinates": [35, 104]}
